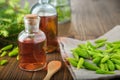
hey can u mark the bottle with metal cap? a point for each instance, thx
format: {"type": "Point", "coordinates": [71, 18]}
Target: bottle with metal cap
{"type": "Point", "coordinates": [48, 23]}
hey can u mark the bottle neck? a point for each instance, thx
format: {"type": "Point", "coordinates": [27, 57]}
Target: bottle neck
{"type": "Point", "coordinates": [31, 25]}
{"type": "Point", "coordinates": [31, 29]}
{"type": "Point", "coordinates": [43, 1]}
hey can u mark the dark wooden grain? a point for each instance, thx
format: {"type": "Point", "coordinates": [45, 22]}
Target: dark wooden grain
{"type": "Point", "coordinates": [90, 19]}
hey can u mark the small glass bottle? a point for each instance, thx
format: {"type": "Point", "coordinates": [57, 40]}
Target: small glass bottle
{"type": "Point", "coordinates": [48, 23]}
{"type": "Point", "coordinates": [32, 43]}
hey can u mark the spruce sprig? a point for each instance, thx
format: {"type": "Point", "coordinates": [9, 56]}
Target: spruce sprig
{"type": "Point", "coordinates": [11, 20]}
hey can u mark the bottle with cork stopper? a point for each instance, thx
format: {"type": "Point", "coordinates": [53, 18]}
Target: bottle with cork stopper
{"type": "Point", "coordinates": [31, 44]}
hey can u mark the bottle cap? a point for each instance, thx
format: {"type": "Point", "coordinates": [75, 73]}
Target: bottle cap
{"type": "Point", "coordinates": [44, 1]}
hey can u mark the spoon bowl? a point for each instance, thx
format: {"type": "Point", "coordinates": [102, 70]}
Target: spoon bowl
{"type": "Point", "coordinates": [53, 67]}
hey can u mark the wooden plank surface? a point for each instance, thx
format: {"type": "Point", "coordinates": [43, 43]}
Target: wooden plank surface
{"type": "Point", "coordinates": [90, 19]}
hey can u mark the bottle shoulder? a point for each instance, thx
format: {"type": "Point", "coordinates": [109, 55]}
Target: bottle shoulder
{"type": "Point", "coordinates": [43, 9]}
{"type": "Point", "coordinates": [36, 36]}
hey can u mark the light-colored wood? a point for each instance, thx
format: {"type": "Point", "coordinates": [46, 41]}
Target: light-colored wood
{"type": "Point", "coordinates": [53, 67]}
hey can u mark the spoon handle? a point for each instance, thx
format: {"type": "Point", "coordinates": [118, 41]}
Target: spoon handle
{"type": "Point", "coordinates": [48, 76]}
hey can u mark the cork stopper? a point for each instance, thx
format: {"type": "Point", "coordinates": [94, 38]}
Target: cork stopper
{"type": "Point", "coordinates": [32, 19]}
{"type": "Point", "coordinates": [31, 16]}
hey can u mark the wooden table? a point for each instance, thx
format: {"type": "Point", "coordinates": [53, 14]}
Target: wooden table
{"type": "Point", "coordinates": [90, 19]}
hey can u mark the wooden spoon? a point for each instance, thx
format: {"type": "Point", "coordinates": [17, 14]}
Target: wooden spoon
{"type": "Point", "coordinates": [53, 67]}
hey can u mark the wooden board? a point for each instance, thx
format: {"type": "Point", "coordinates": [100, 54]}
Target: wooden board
{"type": "Point", "coordinates": [89, 20]}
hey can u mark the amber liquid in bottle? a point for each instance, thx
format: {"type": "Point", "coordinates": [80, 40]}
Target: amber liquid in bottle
{"type": "Point", "coordinates": [48, 25]}
{"type": "Point", "coordinates": [32, 54]}
{"type": "Point", "coordinates": [32, 44]}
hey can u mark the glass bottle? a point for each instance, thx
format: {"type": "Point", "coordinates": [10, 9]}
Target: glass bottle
{"type": "Point", "coordinates": [48, 22]}
{"type": "Point", "coordinates": [63, 8]}
{"type": "Point", "coordinates": [32, 43]}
